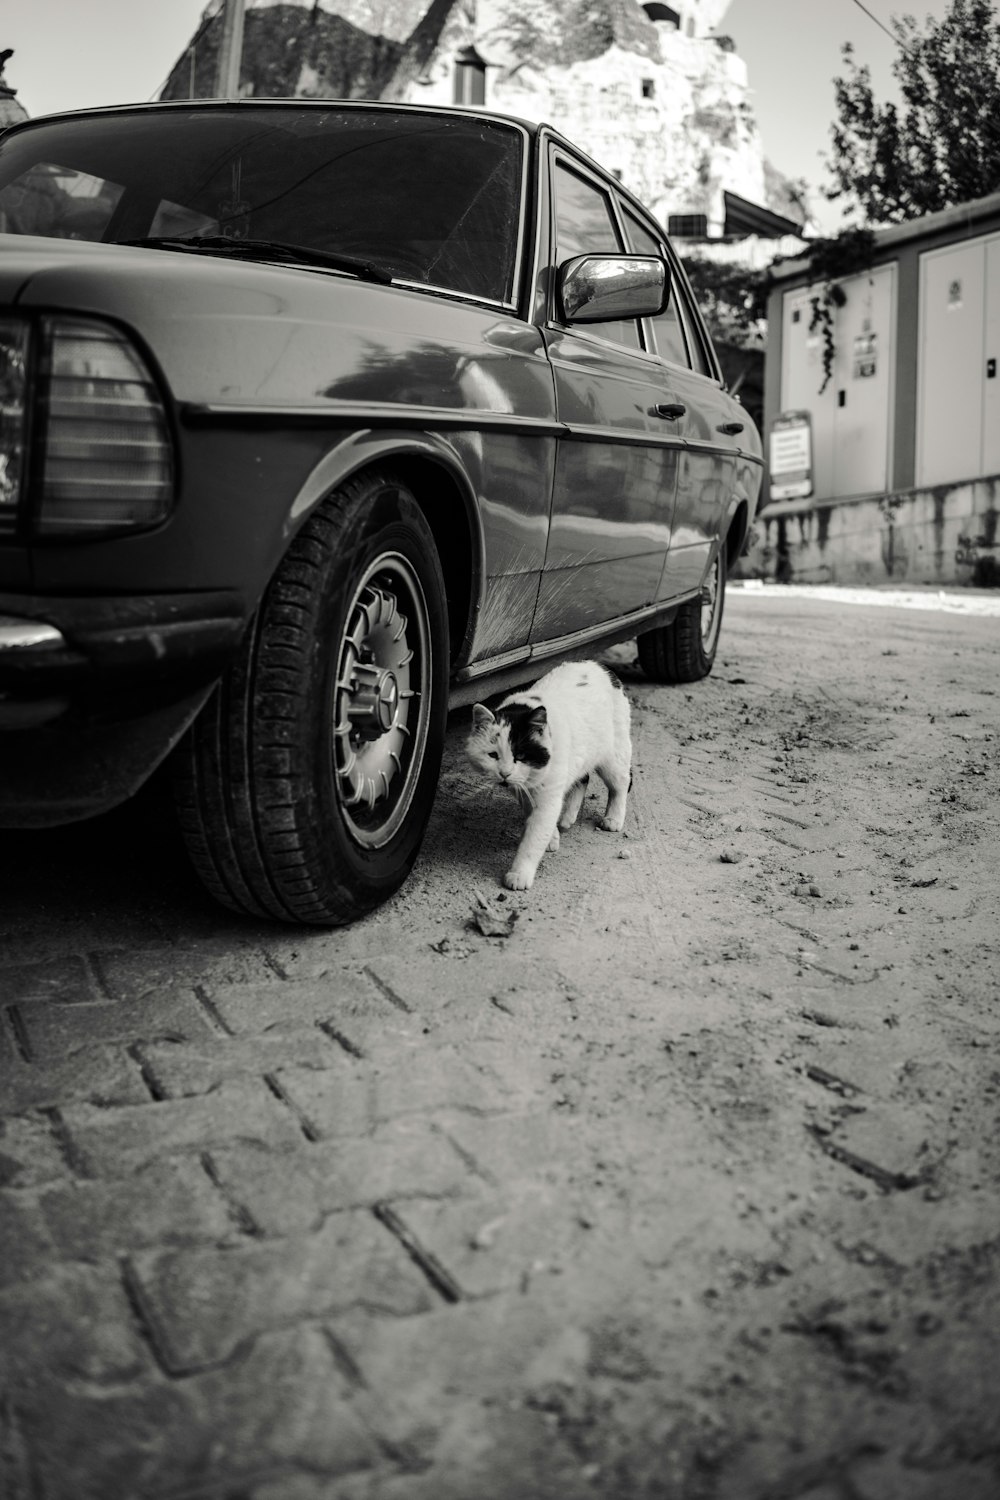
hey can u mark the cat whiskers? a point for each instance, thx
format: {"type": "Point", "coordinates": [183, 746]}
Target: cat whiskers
{"type": "Point", "coordinates": [524, 797]}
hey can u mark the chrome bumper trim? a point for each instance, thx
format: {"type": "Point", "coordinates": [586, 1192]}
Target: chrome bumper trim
{"type": "Point", "coordinates": [19, 635]}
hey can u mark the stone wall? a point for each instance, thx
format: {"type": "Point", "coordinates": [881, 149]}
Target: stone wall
{"type": "Point", "coordinates": [946, 535]}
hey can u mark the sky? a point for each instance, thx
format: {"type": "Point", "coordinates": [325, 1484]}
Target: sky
{"type": "Point", "coordinates": [74, 53]}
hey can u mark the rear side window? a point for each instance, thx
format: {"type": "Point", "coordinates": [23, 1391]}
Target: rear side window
{"type": "Point", "coordinates": [667, 330]}
{"type": "Point", "coordinates": [57, 201]}
{"type": "Point", "coordinates": [585, 225]}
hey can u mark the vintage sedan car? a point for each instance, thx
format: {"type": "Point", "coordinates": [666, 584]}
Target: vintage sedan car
{"type": "Point", "coordinates": [317, 418]}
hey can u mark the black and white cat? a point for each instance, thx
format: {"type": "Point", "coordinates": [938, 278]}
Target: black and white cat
{"type": "Point", "coordinates": [544, 742]}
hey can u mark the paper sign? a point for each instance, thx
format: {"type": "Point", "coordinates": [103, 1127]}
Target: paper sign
{"type": "Point", "coordinates": [790, 455]}
{"type": "Point", "coordinates": [865, 355]}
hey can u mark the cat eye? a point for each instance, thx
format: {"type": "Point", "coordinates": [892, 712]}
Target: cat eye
{"type": "Point", "coordinates": [494, 755]}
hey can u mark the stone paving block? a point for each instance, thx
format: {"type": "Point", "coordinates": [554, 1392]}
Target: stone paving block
{"type": "Point", "coordinates": [132, 974]}
{"type": "Point", "coordinates": [435, 984]}
{"type": "Point", "coordinates": [346, 999]}
{"type": "Point", "coordinates": [65, 980]}
{"type": "Point", "coordinates": [179, 1068]}
{"type": "Point", "coordinates": [336, 1103]}
{"type": "Point", "coordinates": [501, 1349]}
{"type": "Point", "coordinates": [420, 1077]}
{"type": "Point", "coordinates": [29, 1152]}
{"type": "Point", "coordinates": [170, 1202]}
{"type": "Point", "coordinates": [52, 1033]}
{"type": "Point", "coordinates": [497, 1242]}
{"type": "Point", "coordinates": [535, 1144]}
{"type": "Point", "coordinates": [291, 1192]}
{"type": "Point", "coordinates": [483, 1451]}
{"type": "Point", "coordinates": [76, 1325]}
{"type": "Point", "coordinates": [25, 1245]}
{"type": "Point", "coordinates": [524, 1078]}
{"type": "Point", "coordinates": [201, 1304]}
{"type": "Point", "coordinates": [869, 1067]}
{"type": "Point", "coordinates": [116, 1142]}
{"type": "Point", "coordinates": [902, 1140]}
{"type": "Point", "coordinates": [281, 1401]}
{"type": "Point", "coordinates": [103, 1075]}
{"type": "Point", "coordinates": [396, 1080]}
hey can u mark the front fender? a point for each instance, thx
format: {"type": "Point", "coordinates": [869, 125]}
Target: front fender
{"type": "Point", "coordinates": [363, 449]}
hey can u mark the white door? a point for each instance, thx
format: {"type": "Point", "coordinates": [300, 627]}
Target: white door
{"type": "Point", "coordinates": [862, 381]}
{"type": "Point", "coordinates": [952, 364]}
{"type": "Point", "coordinates": [801, 379]}
{"type": "Point", "coordinates": [991, 362]}
{"type": "Point", "coordinates": [851, 416]}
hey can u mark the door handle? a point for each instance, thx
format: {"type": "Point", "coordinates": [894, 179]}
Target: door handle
{"type": "Point", "coordinates": [730, 428]}
{"type": "Point", "coordinates": [671, 410]}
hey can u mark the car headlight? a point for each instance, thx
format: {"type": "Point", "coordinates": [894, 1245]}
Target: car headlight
{"type": "Point", "coordinates": [102, 458]}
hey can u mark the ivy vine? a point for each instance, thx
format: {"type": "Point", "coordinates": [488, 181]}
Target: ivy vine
{"type": "Point", "coordinates": [829, 260]}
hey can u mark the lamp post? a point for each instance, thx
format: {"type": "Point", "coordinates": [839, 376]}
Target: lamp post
{"type": "Point", "coordinates": [231, 51]}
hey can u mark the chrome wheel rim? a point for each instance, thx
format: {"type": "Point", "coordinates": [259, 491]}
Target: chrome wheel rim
{"type": "Point", "coordinates": [711, 612]}
{"type": "Point", "coordinates": [382, 701]}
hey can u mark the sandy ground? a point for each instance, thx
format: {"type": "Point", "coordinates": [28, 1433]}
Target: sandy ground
{"type": "Point", "coordinates": [719, 1219]}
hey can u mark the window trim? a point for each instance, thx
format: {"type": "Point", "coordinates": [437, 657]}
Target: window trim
{"type": "Point", "coordinates": [559, 155]}
{"type": "Point", "coordinates": [649, 330]}
{"type": "Point", "coordinates": [552, 146]}
{"type": "Point", "coordinates": [699, 345]}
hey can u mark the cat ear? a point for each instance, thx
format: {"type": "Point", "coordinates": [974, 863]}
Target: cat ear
{"type": "Point", "coordinates": [481, 715]}
{"type": "Point", "coordinates": [539, 717]}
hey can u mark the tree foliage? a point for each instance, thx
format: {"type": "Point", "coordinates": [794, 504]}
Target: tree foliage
{"type": "Point", "coordinates": [732, 299]}
{"type": "Point", "coordinates": [941, 145]}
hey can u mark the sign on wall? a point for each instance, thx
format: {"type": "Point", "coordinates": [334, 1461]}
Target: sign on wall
{"type": "Point", "coordinates": [865, 355]}
{"type": "Point", "coordinates": [790, 456]}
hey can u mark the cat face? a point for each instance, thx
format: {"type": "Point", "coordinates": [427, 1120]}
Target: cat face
{"type": "Point", "coordinates": [512, 747]}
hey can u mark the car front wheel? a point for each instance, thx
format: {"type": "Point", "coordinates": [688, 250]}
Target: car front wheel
{"type": "Point", "coordinates": [305, 785]}
{"type": "Point", "coordinates": [684, 650]}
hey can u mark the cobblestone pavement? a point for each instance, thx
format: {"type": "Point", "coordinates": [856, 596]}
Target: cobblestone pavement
{"type": "Point", "coordinates": [685, 1190]}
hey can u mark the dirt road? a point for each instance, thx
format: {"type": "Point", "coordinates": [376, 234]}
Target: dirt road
{"type": "Point", "coordinates": [687, 1189]}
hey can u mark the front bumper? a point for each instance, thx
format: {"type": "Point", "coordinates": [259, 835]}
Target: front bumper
{"type": "Point", "coordinates": [95, 692]}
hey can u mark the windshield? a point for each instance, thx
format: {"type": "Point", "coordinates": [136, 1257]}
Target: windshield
{"type": "Point", "coordinates": [431, 199]}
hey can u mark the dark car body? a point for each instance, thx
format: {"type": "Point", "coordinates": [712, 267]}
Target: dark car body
{"type": "Point", "coordinates": [210, 310]}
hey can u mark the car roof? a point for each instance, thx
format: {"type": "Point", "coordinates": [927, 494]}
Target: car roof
{"type": "Point", "coordinates": [531, 127]}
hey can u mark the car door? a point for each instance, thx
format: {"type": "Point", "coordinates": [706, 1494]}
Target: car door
{"type": "Point", "coordinates": [618, 455]}
{"type": "Point", "coordinates": [706, 423]}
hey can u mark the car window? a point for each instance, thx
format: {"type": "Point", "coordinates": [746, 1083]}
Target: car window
{"type": "Point", "coordinates": [431, 199]}
{"type": "Point", "coordinates": [585, 225]}
{"type": "Point", "coordinates": [667, 330]}
{"type": "Point", "coordinates": [696, 342]}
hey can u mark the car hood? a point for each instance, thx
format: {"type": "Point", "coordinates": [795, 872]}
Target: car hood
{"type": "Point", "coordinates": [234, 333]}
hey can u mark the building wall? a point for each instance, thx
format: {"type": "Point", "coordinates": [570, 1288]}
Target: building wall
{"type": "Point", "coordinates": [902, 247]}
{"type": "Point", "coordinates": [947, 536]}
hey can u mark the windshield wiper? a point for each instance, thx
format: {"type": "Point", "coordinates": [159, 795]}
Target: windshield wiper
{"type": "Point", "coordinates": [302, 255]}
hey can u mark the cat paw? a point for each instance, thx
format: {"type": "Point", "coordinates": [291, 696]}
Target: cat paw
{"type": "Point", "coordinates": [612, 825]}
{"type": "Point", "coordinates": [516, 880]}
{"type": "Point", "coordinates": [554, 842]}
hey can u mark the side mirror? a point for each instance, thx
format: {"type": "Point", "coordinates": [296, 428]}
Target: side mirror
{"type": "Point", "coordinates": [604, 288]}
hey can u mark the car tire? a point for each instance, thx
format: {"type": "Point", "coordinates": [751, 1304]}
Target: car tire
{"type": "Point", "coordinates": [305, 784]}
{"type": "Point", "coordinates": [684, 650]}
